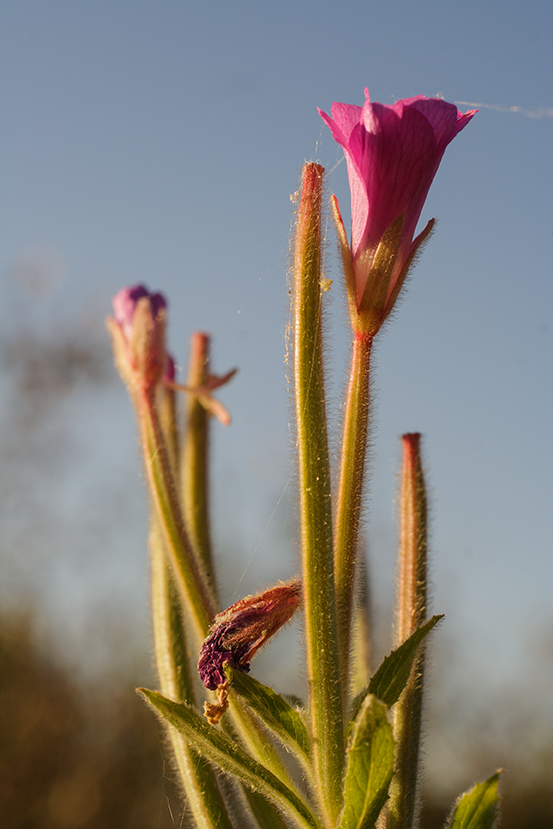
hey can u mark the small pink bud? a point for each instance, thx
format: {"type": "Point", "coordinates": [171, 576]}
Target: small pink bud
{"type": "Point", "coordinates": [125, 301]}
{"type": "Point", "coordinates": [138, 332]}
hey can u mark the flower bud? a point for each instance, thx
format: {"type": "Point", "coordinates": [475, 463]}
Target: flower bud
{"type": "Point", "coordinates": [138, 332]}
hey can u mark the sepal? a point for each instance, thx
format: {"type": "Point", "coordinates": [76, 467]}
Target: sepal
{"type": "Point", "coordinates": [379, 285]}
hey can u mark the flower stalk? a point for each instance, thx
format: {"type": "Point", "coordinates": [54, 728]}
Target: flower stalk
{"type": "Point", "coordinates": [197, 777]}
{"type": "Point", "coordinates": [323, 669]}
{"type": "Point", "coordinates": [195, 455]}
{"type": "Point", "coordinates": [138, 336]}
{"type": "Point", "coordinates": [187, 569]}
{"type": "Point", "coordinates": [350, 491]}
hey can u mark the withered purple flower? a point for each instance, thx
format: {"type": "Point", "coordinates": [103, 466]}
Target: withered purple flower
{"type": "Point", "coordinates": [238, 632]}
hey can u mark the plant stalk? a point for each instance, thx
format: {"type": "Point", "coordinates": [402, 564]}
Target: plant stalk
{"type": "Point", "coordinates": [350, 491]}
{"type": "Point", "coordinates": [198, 780]}
{"type": "Point", "coordinates": [187, 571]}
{"type": "Point", "coordinates": [315, 499]}
{"type": "Point", "coordinates": [195, 456]}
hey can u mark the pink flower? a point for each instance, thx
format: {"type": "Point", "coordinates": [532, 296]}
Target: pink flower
{"type": "Point", "coordinates": [392, 154]}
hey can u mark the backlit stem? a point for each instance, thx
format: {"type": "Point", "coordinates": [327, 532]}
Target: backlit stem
{"type": "Point", "coordinates": [175, 681]}
{"type": "Point", "coordinates": [187, 569]}
{"type": "Point", "coordinates": [195, 455]}
{"type": "Point", "coordinates": [315, 499]}
{"type": "Point", "coordinates": [350, 490]}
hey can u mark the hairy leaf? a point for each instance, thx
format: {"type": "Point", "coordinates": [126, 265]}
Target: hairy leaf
{"type": "Point", "coordinates": [479, 807]}
{"type": "Point", "coordinates": [230, 757]}
{"type": "Point", "coordinates": [370, 766]}
{"type": "Point", "coordinates": [277, 714]}
{"type": "Point", "coordinates": [393, 674]}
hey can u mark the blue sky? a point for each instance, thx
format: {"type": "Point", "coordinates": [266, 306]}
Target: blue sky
{"type": "Point", "coordinates": [159, 142]}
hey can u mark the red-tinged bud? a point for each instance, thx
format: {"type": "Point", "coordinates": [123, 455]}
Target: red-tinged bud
{"type": "Point", "coordinates": [238, 632]}
{"type": "Point", "coordinates": [138, 332]}
{"type": "Point", "coordinates": [403, 803]}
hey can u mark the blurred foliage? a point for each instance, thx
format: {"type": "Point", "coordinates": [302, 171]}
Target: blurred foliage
{"type": "Point", "coordinates": [76, 757]}
{"type": "Point", "coordinates": [71, 758]}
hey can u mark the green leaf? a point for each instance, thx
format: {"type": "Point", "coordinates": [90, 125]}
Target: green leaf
{"type": "Point", "coordinates": [230, 757]}
{"type": "Point", "coordinates": [370, 766]}
{"type": "Point", "coordinates": [277, 714]}
{"type": "Point", "coordinates": [265, 813]}
{"type": "Point", "coordinates": [479, 807]}
{"type": "Point", "coordinates": [393, 675]}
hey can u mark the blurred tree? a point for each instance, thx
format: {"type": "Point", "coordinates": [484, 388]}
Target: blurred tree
{"type": "Point", "coordinates": [70, 759]}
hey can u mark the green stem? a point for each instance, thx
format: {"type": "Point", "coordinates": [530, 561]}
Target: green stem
{"type": "Point", "coordinates": [315, 500]}
{"type": "Point", "coordinates": [350, 490]}
{"type": "Point", "coordinates": [173, 666]}
{"type": "Point", "coordinates": [361, 653]}
{"type": "Point", "coordinates": [186, 568]}
{"type": "Point", "coordinates": [411, 614]}
{"type": "Point", "coordinates": [167, 406]}
{"type": "Point", "coordinates": [195, 456]}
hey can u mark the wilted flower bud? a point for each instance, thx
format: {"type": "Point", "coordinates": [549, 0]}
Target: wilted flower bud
{"type": "Point", "coordinates": [238, 632]}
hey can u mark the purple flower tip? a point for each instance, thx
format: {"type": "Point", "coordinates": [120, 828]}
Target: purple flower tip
{"type": "Point", "coordinates": [124, 305]}
{"type": "Point", "coordinates": [216, 651]}
{"type": "Point", "coordinates": [138, 330]}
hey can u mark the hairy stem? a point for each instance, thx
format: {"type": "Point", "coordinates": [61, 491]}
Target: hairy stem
{"type": "Point", "coordinates": [175, 681]}
{"type": "Point", "coordinates": [316, 500]}
{"type": "Point", "coordinates": [411, 614]}
{"type": "Point", "coordinates": [350, 491]}
{"type": "Point", "coordinates": [195, 456]}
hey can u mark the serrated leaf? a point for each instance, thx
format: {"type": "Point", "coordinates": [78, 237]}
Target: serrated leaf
{"type": "Point", "coordinates": [393, 674]}
{"type": "Point", "coordinates": [479, 807]}
{"type": "Point", "coordinates": [277, 714]}
{"type": "Point", "coordinates": [370, 766]}
{"type": "Point", "coordinates": [229, 756]}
